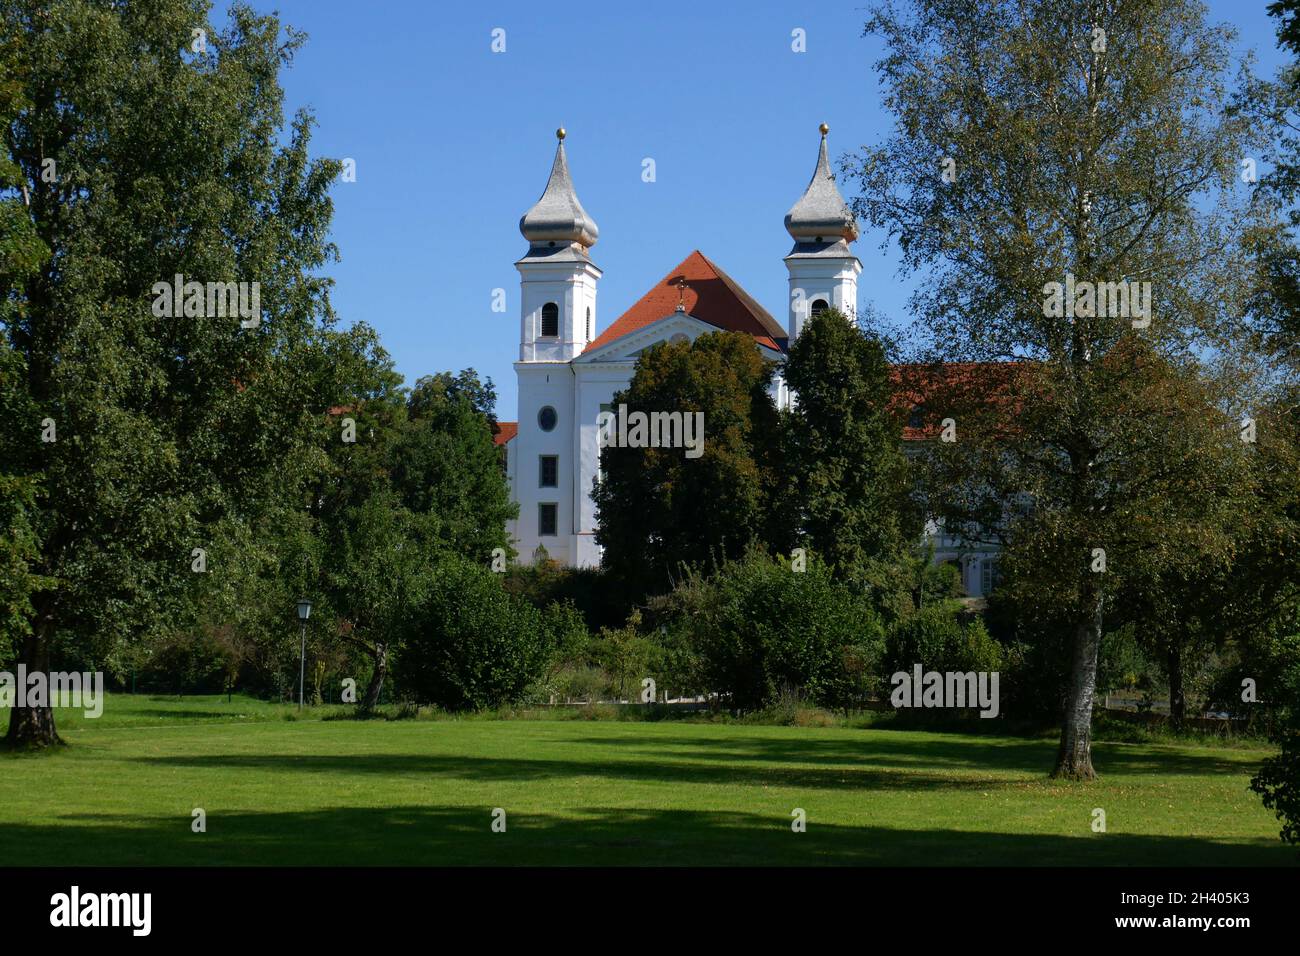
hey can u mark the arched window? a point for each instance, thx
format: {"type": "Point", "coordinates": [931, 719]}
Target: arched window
{"type": "Point", "coordinates": [819, 306]}
{"type": "Point", "coordinates": [590, 327]}
{"type": "Point", "coordinates": [550, 320]}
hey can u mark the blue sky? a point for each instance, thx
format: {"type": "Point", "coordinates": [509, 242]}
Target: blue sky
{"type": "Point", "coordinates": [453, 143]}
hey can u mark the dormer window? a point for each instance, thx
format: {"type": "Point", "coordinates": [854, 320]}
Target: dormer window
{"type": "Point", "coordinates": [550, 320]}
{"type": "Point", "coordinates": [819, 306]}
{"type": "Point", "coordinates": [916, 417]}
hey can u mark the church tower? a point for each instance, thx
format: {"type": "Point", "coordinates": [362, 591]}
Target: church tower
{"type": "Point", "coordinates": [557, 295]}
{"type": "Point", "coordinates": [557, 278]}
{"type": "Point", "coordinates": [823, 269]}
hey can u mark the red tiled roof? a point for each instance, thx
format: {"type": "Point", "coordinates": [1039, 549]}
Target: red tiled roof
{"type": "Point", "coordinates": [504, 432]}
{"type": "Point", "coordinates": [950, 383]}
{"type": "Point", "coordinates": [711, 296]}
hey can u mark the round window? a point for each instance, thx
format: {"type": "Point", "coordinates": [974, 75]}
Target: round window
{"type": "Point", "coordinates": [547, 418]}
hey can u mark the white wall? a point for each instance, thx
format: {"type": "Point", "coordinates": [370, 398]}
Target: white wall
{"type": "Point", "coordinates": [571, 286]}
{"type": "Point", "coordinates": [833, 279]}
{"type": "Point", "coordinates": [542, 384]}
{"type": "Point", "coordinates": [596, 384]}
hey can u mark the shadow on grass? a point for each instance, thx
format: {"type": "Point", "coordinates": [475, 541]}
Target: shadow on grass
{"type": "Point", "coordinates": [964, 753]}
{"type": "Point", "coordinates": [191, 714]}
{"type": "Point", "coordinates": [667, 771]}
{"type": "Point", "coordinates": [416, 836]}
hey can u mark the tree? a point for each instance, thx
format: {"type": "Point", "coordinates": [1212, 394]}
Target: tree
{"type": "Point", "coordinates": [419, 468]}
{"type": "Point", "coordinates": [843, 445]}
{"type": "Point", "coordinates": [1276, 307]}
{"type": "Point", "coordinates": [21, 256]}
{"type": "Point", "coordinates": [379, 583]}
{"type": "Point", "coordinates": [446, 466]}
{"type": "Point", "coordinates": [1093, 146]}
{"type": "Point", "coordinates": [659, 509]}
{"type": "Point", "coordinates": [157, 425]}
{"type": "Point", "coordinates": [472, 645]}
{"type": "Point", "coordinates": [761, 630]}
{"type": "Point", "coordinates": [624, 654]}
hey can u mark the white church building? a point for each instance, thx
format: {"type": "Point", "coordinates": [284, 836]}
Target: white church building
{"type": "Point", "coordinates": [568, 373]}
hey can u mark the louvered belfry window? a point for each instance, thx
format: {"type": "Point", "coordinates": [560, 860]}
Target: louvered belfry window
{"type": "Point", "coordinates": [550, 320]}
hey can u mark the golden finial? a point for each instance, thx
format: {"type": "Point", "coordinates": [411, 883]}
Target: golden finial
{"type": "Point", "coordinates": [824, 128]}
{"type": "Point", "coordinates": [559, 134]}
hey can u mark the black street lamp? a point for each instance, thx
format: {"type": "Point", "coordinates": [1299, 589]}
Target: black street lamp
{"type": "Point", "coordinates": [304, 611]}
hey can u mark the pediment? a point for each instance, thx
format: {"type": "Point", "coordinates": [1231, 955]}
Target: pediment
{"type": "Point", "coordinates": [627, 348]}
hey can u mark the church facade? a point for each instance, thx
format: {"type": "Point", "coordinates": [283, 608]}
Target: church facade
{"type": "Point", "coordinates": [568, 372]}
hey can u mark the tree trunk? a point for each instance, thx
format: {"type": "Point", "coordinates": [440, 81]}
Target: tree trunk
{"type": "Point", "coordinates": [31, 727]}
{"type": "Point", "coordinates": [1074, 759]}
{"type": "Point", "coordinates": [1177, 696]}
{"type": "Point", "coordinates": [371, 699]}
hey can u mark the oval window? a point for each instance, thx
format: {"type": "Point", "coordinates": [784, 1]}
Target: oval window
{"type": "Point", "coordinates": [547, 418]}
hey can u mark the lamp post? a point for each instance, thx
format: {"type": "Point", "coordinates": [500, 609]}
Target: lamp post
{"type": "Point", "coordinates": [304, 611]}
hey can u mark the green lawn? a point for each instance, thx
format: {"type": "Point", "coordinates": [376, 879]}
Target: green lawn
{"type": "Point", "coordinates": [588, 792]}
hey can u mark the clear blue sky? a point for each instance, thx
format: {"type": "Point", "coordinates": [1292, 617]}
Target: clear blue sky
{"type": "Point", "coordinates": [454, 142]}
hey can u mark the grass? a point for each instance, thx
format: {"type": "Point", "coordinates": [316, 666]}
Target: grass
{"type": "Point", "coordinates": [277, 790]}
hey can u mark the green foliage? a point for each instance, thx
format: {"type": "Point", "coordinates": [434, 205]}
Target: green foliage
{"type": "Point", "coordinates": [760, 629]}
{"type": "Point", "coordinates": [843, 445]}
{"type": "Point", "coordinates": [1119, 436]}
{"type": "Point", "coordinates": [1035, 639]}
{"type": "Point", "coordinates": [377, 582]}
{"type": "Point", "coordinates": [658, 509]}
{"type": "Point", "coordinates": [940, 638]}
{"type": "Point", "coordinates": [1124, 665]}
{"type": "Point", "coordinates": [1278, 783]}
{"type": "Point", "coordinates": [1270, 658]}
{"type": "Point", "coordinates": [19, 548]}
{"type": "Point", "coordinates": [166, 426]}
{"type": "Point", "coordinates": [625, 655]}
{"type": "Point", "coordinates": [567, 638]}
{"type": "Point", "coordinates": [446, 466]}
{"type": "Point", "coordinates": [600, 599]}
{"type": "Point", "coordinates": [473, 645]}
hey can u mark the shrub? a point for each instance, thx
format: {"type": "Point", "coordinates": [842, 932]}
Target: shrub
{"type": "Point", "coordinates": [477, 647]}
{"type": "Point", "coordinates": [761, 630]}
{"type": "Point", "coordinates": [1271, 658]}
{"type": "Point", "coordinates": [580, 683]}
{"type": "Point", "coordinates": [938, 638]}
{"type": "Point", "coordinates": [625, 656]}
{"type": "Point", "coordinates": [596, 597]}
{"type": "Point", "coordinates": [1278, 783]}
{"type": "Point", "coordinates": [566, 632]}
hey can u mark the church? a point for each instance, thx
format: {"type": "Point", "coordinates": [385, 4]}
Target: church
{"type": "Point", "coordinates": [568, 374]}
